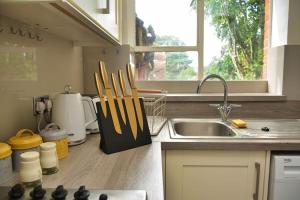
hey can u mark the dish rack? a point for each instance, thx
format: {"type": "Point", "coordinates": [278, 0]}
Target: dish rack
{"type": "Point", "coordinates": [155, 108]}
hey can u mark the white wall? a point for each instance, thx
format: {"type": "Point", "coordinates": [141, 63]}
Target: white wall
{"type": "Point", "coordinates": [114, 57]}
{"type": "Point", "coordinates": [280, 15]}
{"type": "Point", "coordinates": [291, 78]}
{"type": "Point", "coordinates": [294, 22]}
{"type": "Point", "coordinates": [55, 62]}
{"type": "Point", "coordinates": [285, 22]}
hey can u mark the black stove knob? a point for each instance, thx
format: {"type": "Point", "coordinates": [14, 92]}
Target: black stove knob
{"type": "Point", "coordinates": [37, 193]}
{"type": "Point", "coordinates": [60, 193]}
{"type": "Point", "coordinates": [103, 197]}
{"type": "Point", "coordinates": [82, 194]}
{"type": "Point", "coordinates": [16, 192]}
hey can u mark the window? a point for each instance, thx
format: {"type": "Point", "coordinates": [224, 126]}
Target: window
{"type": "Point", "coordinates": [188, 39]}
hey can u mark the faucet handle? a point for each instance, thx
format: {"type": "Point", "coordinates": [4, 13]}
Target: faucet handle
{"type": "Point", "coordinates": [235, 105]}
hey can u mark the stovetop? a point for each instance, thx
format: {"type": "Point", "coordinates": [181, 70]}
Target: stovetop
{"type": "Point", "coordinates": [19, 192]}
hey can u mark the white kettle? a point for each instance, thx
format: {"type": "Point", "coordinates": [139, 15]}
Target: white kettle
{"type": "Point", "coordinates": [68, 113]}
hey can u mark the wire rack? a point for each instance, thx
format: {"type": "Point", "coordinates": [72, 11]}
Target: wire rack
{"type": "Point", "coordinates": [155, 108]}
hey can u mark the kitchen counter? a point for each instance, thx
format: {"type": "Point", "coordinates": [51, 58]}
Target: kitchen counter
{"type": "Point", "coordinates": [252, 143]}
{"type": "Point", "coordinates": [140, 168]}
{"type": "Point", "coordinates": [135, 169]}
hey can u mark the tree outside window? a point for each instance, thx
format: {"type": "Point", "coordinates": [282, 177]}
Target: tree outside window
{"type": "Point", "coordinates": [234, 44]}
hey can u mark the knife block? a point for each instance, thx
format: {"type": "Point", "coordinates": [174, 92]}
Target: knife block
{"type": "Point", "coordinates": [111, 141]}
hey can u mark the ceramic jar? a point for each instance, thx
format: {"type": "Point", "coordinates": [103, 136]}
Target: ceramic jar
{"type": "Point", "coordinates": [6, 170]}
{"type": "Point", "coordinates": [30, 169]}
{"type": "Point", "coordinates": [53, 133]}
{"type": "Point", "coordinates": [48, 157]}
{"type": "Point", "coordinates": [25, 140]}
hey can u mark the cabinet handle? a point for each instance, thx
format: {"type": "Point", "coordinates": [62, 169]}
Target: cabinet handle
{"type": "Point", "coordinates": [257, 169]}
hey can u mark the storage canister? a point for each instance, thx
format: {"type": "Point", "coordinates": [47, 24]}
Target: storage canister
{"type": "Point", "coordinates": [53, 133]}
{"type": "Point", "coordinates": [6, 171]}
{"type": "Point", "coordinates": [49, 160]}
{"type": "Point", "coordinates": [30, 169]}
{"type": "Point", "coordinates": [25, 140]}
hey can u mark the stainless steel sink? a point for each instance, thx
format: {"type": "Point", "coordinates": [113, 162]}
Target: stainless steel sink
{"type": "Point", "coordinates": [199, 128]}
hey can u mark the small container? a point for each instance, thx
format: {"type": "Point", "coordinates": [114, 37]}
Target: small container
{"type": "Point", "coordinates": [49, 160]}
{"type": "Point", "coordinates": [25, 140]}
{"type": "Point", "coordinates": [53, 133]}
{"type": "Point", "coordinates": [6, 170]}
{"type": "Point", "coordinates": [30, 169]}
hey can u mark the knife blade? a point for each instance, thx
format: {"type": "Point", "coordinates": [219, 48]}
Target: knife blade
{"type": "Point", "coordinates": [135, 96]}
{"type": "Point", "coordinates": [110, 98]}
{"type": "Point", "coordinates": [101, 97]}
{"type": "Point", "coordinates": [129, 105]}
{"type": "Point", "coordinates": [118, 97]}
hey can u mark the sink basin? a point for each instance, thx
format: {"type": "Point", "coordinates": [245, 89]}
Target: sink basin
{"type": "Point", "coordinates": [199, 128]}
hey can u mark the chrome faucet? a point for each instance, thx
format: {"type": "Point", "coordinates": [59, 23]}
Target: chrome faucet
{"type": "Point", "coordinates": [224, 109]}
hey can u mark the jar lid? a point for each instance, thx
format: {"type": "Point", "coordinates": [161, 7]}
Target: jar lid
{"type": "Point", "coordinates": [5, 150]}
{"type": "Point", "coordinates": [53, 132]}
{"type": "Point", "coordinates": [48, 146]}
{"type": "Point", "coordinates": [25, 139]}
{"type": "Point", "coordinates": [30, 156]}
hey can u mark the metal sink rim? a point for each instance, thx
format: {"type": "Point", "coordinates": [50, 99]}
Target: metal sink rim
{"type": "Point", "coordinates": [175, 135]}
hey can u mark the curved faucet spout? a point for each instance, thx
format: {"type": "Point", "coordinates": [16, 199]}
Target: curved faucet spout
{"type": "Point", "coordinates": [211, 76]}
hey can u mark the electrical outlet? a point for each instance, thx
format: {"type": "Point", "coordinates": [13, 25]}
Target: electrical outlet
{"type": "Point", "coordinates": [37, 99]}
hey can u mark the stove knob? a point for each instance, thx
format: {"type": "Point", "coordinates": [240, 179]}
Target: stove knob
{"type": "Point", "coordinates": [81, 194]}
{"type": "Point", "coordinates": [16, 192]}
{"type": "Point", "coordinates": [38, 193]}
{"type": "Point", "coordinates": [103, 197]}
{"type": "Point", "coordinates": [60, 193]}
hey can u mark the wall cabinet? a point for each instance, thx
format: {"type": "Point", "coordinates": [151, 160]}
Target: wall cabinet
{"type": "Point", "coordinates": [104, 12]}
{"type": "Point", "coordinates": [80, 21]}
{"type": "Point", "coordinates": [215, 175]}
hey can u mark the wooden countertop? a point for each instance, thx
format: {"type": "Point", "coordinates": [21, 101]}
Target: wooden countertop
{"type": "Point", "coordinates": [139, 168]}
{"type": "Point", "coordinates": [135, 169]}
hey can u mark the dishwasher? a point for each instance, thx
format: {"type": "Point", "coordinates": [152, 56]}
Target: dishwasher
{"type": "Point", "coordinates": [285, 177]}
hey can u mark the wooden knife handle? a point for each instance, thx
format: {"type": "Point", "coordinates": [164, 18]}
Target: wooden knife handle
{"type": "Point", "coordinates": [122, 82]}
{"type": "Point", "coordinates": [130, 76]}
{"type": "Point", "coordinates": [113, 80]}
{"type": "Point", "coordinates": [104, 76]}
{"type": "Point", "coordinates": [98, 84]}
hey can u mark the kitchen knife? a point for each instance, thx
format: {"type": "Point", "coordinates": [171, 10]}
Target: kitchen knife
{"type": "Point", "coordinates": [129, 105]}
{"type": "Point", "coordinates": [101, 97]}
{"type": "Point", "coordinates": [118, 97]}
{"type": "Point", "coordinates": [110, 98]}
{"type": "Point", "coordinates": [135, 96]}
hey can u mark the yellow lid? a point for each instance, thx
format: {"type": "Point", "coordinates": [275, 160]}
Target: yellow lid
{"type": "Point", "coordinates": [5, 150]}
{"type": "Point", "coordinates": [25, 139]}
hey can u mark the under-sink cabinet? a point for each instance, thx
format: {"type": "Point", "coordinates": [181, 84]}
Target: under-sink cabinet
{"type": "Point", "coordinates": [216, 174]}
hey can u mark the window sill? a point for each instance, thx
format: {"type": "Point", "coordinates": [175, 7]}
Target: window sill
{"type": "Point", "coordinates": [189, 97]}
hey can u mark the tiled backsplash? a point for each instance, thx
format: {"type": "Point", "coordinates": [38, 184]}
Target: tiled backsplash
{"type": "Point", "coordinates": [28, 68]}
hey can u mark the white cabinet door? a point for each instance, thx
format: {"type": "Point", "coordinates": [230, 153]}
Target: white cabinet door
{"type": "Point", "coordinates": [109, 21]}
{"type": "Point", "coordinates": [214, 175]}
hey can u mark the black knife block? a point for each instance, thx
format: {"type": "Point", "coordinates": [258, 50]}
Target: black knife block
{"type": "Point", "coordinates": [111, 141]}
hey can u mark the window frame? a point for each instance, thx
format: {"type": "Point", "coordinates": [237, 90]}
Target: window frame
{"type": "Point", "coordinates": [129, 38]}
{"type": "Point", "coordinates": [197, 48]}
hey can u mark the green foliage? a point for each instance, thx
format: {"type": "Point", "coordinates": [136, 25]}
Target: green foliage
{"type": "Point", "coordinates": [167, 40]}
{"type": "Point", "coordinates": [240, 25]}
{"type": "Point", "coordinates": [177, 63]}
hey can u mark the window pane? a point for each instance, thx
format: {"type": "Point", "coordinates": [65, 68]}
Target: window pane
{"type": "Point", "coordinates": [165, 23]}
{"type": "Point", "coordinates": [166, 65]}
{"type": "Point", "coordinates": [234, 39]}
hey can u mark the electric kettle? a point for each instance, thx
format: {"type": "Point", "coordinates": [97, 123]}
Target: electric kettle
{"type": "Point", "coordinates": [68, 113]}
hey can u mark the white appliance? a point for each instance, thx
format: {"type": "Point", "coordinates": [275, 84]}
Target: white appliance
{"type": "Point", "coordinates": [90, 113]}
{"type": "Point", "coordinates": [68, 113]}
{"type": "Point", "coordinates": [285, 177]}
